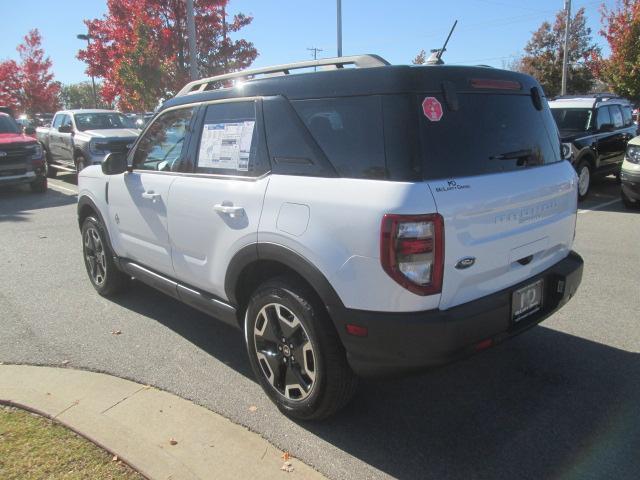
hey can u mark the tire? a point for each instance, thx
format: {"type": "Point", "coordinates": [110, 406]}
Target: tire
{"type": "Point", "coordinates": [81, 163]}
{"type": "Point", "coordinates": [39, 186]}
{"type": "Point", "coordinates": [51, 172]}
{"type": "Point", "coordinates": [103, 273]}
{"type": "Point", "coordinates": [629, 203]}
{"type": "Point", "coordinates": [325, 382]}
{"type": "Point", "coordinates": [584, 179]}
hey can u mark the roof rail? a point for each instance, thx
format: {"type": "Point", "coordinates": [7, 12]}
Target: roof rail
{"type": "Point", "coordinates": [359, 61]}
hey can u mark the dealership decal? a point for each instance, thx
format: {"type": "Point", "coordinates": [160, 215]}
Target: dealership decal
{"type": "Point", "coordinates": [452, 185]}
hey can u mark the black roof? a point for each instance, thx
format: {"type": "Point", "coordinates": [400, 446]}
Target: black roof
{"type": "Point", "coordinates": [363, 81]}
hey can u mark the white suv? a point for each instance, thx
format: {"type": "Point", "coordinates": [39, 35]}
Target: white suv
{"type": "Point", "coordinates": [353, 222]}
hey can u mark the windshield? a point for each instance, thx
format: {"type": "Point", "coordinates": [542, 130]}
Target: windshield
{"type": "Point", "coordinates": [8, 124]}
{"type": "Point", "coordinates": [572, 119]}
{"type": "Point", "coordinates": [101, 121]}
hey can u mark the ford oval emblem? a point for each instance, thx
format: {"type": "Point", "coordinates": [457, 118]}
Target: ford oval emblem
{"type": "Point", "coordinates": [465, 263]}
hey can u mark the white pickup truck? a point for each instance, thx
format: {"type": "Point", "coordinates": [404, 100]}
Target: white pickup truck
{"type": "Point", "coordinates": [79, 138]}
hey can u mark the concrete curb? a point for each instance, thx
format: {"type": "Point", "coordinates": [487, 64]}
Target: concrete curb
{"type": "Point", "coordinates": [160, 435]}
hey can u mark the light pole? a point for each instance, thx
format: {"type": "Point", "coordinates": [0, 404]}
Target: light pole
{"type": "Point", "coordinates": [565, 56]}
{"type": "Point", "coordinates": [339, 15]}
{"type": "Point", "coordinates": [87, 37]}
{"type": "Point", "coordinates": [191, 33]}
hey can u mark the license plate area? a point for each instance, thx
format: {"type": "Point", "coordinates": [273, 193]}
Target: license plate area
{"type": "Point", "coordinates": [527, 300]}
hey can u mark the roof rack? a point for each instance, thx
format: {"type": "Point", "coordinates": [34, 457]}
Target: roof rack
{"type": "Point", "coordinates": [359, 61]}
{"type": "Point", "coordinates": [598, 97]}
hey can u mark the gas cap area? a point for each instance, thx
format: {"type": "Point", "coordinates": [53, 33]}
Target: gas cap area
{"type": "Point", "coordinates": [293, 218]}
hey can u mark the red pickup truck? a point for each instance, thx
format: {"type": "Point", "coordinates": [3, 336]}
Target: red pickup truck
{"type": "Point", "coordinates": [21, 157]}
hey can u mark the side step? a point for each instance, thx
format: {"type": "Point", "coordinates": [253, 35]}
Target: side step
{"type": "Point", "coordinates": [198, 299]}
{"type": "Point", "coordinates": [60, 167]}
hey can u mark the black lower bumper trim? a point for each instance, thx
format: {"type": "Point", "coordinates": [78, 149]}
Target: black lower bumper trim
{"type": "Point", "coordinates": [403, 342]}
{"type": "Point", "coordinates": [630, 185]}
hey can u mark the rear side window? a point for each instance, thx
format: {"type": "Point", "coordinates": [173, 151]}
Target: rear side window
{"type": "Point", "coordinates": [350, 133]}
{"type": "Point", "coordinates": [488, 133]}
{"type": "Point", "coordinates": [229, 141]}
{"type": "Point", "coordinates": [627, 115]}
{"type": "Point", "coordinates": [616, 116]}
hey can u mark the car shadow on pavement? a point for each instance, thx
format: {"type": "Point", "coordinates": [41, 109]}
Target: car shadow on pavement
{"type": "Point", "coordinates": [210, 335]}
{"type": "Point", "coordinates": [544, 405]}
{"type": "Point", "coordinates": [17, 201]}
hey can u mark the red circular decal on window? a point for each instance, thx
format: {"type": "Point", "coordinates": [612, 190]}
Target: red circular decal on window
{"type": "Point", "coordinates": [432, 109]}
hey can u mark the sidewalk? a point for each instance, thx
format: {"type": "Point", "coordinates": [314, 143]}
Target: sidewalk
{"type": "Point", "coordinates": [159, 434]}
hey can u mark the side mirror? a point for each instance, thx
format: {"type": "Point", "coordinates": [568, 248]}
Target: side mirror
{"type": "Point", "coordinates": [606, 127]}
{"type": "Point", "coordinates": [29, 130]}
{"type": "Point", "coordinates": [65, 129]}
{"type": "Point", "coordinates": [114, 164]}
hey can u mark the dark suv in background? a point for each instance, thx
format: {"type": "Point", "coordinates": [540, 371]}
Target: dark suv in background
{"type": "Point", "coordinates": [595, 130]}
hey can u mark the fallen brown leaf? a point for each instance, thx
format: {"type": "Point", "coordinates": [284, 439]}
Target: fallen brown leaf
{"type": "Point", "coordinates": [115, 458]}
{"type": "Point", "coordinates": [116, 332]}
{"type": "Point", "coordinates": [173, 441]}
{"type": "Point", "coordinates": [286, 456]}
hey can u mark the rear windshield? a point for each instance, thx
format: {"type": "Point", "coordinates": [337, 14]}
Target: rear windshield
{"type": "Point", "coordinates": [389, 137]}
{"type": "Point", "coordinates": [8, 124]}
{"type": "Point", "coordinates": [488, 133]}
{"type": "Point", "coordinates": [572, 119]}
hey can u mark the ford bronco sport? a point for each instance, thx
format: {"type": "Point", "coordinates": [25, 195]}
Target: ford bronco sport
{"type": "Point", "coordinates": [359, 221]}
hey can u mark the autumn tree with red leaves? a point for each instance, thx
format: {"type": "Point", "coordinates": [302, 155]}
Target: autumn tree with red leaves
{"type": "Point", "coordinates": [544, 52]}
{"type": "Point", "coordinates": [140, 49]}
{"type": "Point", "coordinates": [29, 86]}
{"type": "Point", "coordinates": [9, 84]}
{"type": "Point", "coordinates": [621, 29]}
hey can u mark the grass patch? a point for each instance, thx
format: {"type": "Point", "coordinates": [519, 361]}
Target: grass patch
{"type": "Point", "coordinates": [33, 447]}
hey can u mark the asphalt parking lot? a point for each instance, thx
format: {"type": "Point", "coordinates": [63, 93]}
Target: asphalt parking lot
{"type": "Point", "coordinates": [560, 401]}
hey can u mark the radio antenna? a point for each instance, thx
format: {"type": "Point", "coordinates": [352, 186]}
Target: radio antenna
{"type": "Point", "coordinates": [444, 47]}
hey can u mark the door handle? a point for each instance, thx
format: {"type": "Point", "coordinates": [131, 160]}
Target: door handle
{"type": "Point", "coordinates": [229, 209]}
{"type": "Point", "coordinates": [150, 195]}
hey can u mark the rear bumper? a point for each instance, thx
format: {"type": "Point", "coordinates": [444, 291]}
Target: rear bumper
{"type": "Point", "coordinates": [402, 342]}
{"type": "Point", "coordinates": [630, 184]}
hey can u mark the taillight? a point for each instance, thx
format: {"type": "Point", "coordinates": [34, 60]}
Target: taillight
{"type": "Point", "coordinates": [412, 251]}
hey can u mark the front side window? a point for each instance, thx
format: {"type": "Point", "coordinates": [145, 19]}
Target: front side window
{"type": "Point", "coordinates": [229, 141]}
{"type": "Point", "coordinates": [603, 117]}
{"type": "Point", "coordinates": [162, 146]}
{"type": "Point", "coordinates": [57, 123]}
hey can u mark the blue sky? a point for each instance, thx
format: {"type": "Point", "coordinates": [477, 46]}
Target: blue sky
{"type": "Point", "coordinates": [489, 31]}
